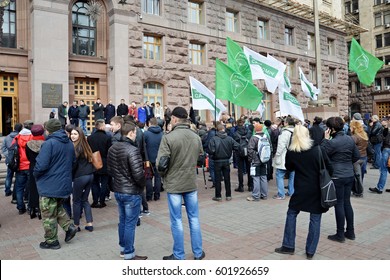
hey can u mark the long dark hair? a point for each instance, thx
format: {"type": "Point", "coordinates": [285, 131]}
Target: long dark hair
{"type": "Point", "coordinates": [81, 146]}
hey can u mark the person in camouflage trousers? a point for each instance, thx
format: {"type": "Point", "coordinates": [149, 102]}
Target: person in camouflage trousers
{"type": "Point", "coordinates": [53, 174]}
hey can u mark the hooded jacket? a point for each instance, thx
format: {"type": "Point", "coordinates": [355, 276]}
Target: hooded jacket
{"type": "Point", "coordinates": [7, 142]}
{"type": "Point", "coordinates": [23, 137]}
{"type": "Point", "coordinates": [221, 147]}
{"type": "Point", "coordinates": [153, 138]}
{"type": "Point", "coordinates": [53, 168]}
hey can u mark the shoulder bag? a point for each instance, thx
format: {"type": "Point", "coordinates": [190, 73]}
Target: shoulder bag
{"type": "Point", "coordinates": [97, 160]}
{"type": "Point", "coordinates": [328, 189]}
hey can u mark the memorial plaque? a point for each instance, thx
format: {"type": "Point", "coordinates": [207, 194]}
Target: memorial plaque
{"type": "Point", "coordinates": [51, 95]}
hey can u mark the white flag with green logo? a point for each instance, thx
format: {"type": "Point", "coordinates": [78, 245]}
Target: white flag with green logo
{"type": "Point", "coordinates": [307, 87]}
{"type": "Point", "coordinates": [267, 68]}
{"type": "Point", "coordinates": [204, 99]}
{"type": "Point", "coordinates": [289, 105]}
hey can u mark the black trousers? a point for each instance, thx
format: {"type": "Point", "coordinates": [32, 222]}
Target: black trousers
{"type": "Point", "coordinates": [224, 169]}
{"type": "Point", "coordinates": [244, 164]}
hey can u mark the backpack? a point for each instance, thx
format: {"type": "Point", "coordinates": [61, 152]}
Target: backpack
{"type": "Point", "coordinates": [243, 149]}
{"type": "Point", "coordinates": [263, 149]}
{"type": "Point", "coordinates": [13, 158]}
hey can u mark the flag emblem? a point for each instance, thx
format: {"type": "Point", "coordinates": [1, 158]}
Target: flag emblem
{"type": "Point", "coordinates": [362, 62]}
{"type": "Point", "coordinates": [239, 85]}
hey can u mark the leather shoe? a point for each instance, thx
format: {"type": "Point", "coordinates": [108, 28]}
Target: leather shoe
{"type": "Point", "coordinates": [70, 233]}
{"type": "Point", "coordinates": [95, 205]}
{"type": "Point", "coordinates": [387, 190]}
{"type": "Point", "coordinates": [336, 238]}
{"type": "Point", "coordinates": [102, 205]}
{"type": "Point", "coordinates": [201, 256]}
{"type": "Point", "coordinates": [170, 258]}
{"type": "Point", "coordinates": [138, 258]}
{"type": "Point", "coordinates": [285, 250]}
{"type": "Point", "coordinates": [239, 190]}
{"type": "Point", "coordinates": [309, 256]}
{"type": "Point", "coordinates": [350, 236]}
{"type": "Point", "coordinates": [375, 190]}
{"type": "Point", "coordinates": [22, 211]}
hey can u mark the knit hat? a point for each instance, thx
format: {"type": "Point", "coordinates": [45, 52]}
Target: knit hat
{"type": "Point", "coordinates": [53, 125]}
{"type": "Point", "coordinates": [357, 116]}
{"type": "Point", "coordinates": [180, 112]}
{"type": "Point", "coordinates": [37, 130]}
{"type": "Point", "coordinates": [256, 120]}
{"type": "Point", "coordinates": [258, 127]}
{"type": "Point", "coordinates": [267, 123]}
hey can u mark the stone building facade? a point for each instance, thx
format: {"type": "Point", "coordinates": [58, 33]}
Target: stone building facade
{"type": "Point", "coordinates": [138, 52]}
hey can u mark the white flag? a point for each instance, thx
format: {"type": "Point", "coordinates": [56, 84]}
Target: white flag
{"type": "Point", "coordinates": [289, 105]}
{"type": "Point", "coordinates": [285, 83]}
{"type": "Point", "coordinates": [268, 68]}
{"type": "Point", "coordinates": [307, 87]}
{"type": "Point", "coordinates": [261, 108]}
{"type": "Point", "coordinates": [204, 99]}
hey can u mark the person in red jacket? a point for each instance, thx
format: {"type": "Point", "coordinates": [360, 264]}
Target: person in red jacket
{"type": "Point", "coordinates": [21, 176]}
{"type": "Point", "coordinates": [133, 111]}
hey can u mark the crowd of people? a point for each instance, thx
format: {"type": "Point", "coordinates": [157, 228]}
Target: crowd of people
{"type": "Point", "coordinates": [146, 150]}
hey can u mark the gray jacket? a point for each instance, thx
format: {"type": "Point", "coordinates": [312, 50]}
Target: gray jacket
{"type": "Point", "coordinates": [180, 149]}
{"type": "Point", "coordinates": [7, 142]}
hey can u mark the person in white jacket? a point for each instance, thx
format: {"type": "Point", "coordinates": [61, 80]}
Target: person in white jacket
{"type": "Point", "coordinates": [284, 141]}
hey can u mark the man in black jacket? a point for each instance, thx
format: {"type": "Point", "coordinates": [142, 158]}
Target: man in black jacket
{"type": "Point", "coordinates": [122, 109]}
{"type": "Point", "coordinates": [84, 116]}
{"type": "Point", "coordinates": [125, 164]}
{"type": "Point", "coordinates": [221, 147]}
{"type": "Point", "coordinates": [100, 141]}
{"type": "Point", "coordinates": [73, 114]}
{"type": "Point", "coordinates": [316, 132]}
{"type": "Point", "coordinates": [376, 139]}
{"type": "Point", "coordinates": [98, 110]}
{"type": "Point", "coordinates": [109, 112]}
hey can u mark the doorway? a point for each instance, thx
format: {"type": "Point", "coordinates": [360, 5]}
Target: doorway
{"type": "Point", "coordinates": [6, 115]}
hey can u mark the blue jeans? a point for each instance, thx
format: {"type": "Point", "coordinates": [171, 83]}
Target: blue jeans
{"type": "Point", "coordinates": [83, 125]}
{"type": "Point", "coordinates": [156, 189]}
{"type": "Point", "coordinates": [81, 190]}
{"type": "Point", "coordinates": [212, 170]}
{"type": "Point", "coordinates": [364, 166]}
{"type": "Point", "coordinates": [313, 236]}
{"type": "Point", "coordinates": [280, 182]}
{"type": "Point", "coordinates": [343, 208]}
{"type": "Point", "coordinates": [8, 181]}
{"type": "Point", "coordinates": [128, 207]}
{"type": "Point", "coordinates": [383, 170]}
{"type": "Point", "coordinates": [191, 206]}
{"type": "Point", "coordinates": [377, 149]}
{"type": "Point", "coordinates": [21, 178]}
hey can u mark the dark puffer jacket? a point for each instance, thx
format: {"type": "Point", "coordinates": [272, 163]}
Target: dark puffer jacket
{"type": "Point", "coordinates": [125, 165]}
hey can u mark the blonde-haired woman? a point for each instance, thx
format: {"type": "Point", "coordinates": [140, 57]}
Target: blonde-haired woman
{"type": "Point", "coordinates": [361, 140]}
{"type": "Point", "coordinates": [304, 158]}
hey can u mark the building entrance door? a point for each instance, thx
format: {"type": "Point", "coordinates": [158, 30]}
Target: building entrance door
{"type": "Point", "coordinates": [86, 89]}
{"type": "Point", "coordinates": [383, 109]}
{"type": "Point", "coordinates": [8, 103]}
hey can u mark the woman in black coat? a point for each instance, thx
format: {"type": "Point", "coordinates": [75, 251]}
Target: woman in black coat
{"type": "Point", "coordinates": [304, 158]}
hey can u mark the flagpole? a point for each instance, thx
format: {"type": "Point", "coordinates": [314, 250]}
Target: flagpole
{"type": "Point", "coordinates": [318, 46]}
{"type": "Point", "coordinates": [215, 110]}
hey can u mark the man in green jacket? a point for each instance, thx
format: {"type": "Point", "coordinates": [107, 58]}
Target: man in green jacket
{"type": "Point", "coordinates": [176, 162]}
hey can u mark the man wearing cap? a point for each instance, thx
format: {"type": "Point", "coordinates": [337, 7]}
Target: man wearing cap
{"type": "Point", "coordinates": [21, 175]}
{"type": "Point", "coordinates": [53, 174]}
{"type": "Point", "coordinates": [176, 160]}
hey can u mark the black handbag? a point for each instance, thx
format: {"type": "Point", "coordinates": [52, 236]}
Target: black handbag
{"type": "Point", "coordinates": [357, 187]}
{"type": "Point", "coordinates": [328, 189]}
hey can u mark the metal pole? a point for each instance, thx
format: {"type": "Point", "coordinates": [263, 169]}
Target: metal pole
{"type": "Point", "coordinates": [318, 46]}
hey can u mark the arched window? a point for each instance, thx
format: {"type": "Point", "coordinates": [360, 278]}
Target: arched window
{"type": "Point", "coordinates": [83, 30]}
{"type": "Point", "coordinates": [8, 25]}
{"type": "Point", "coordinates": [333, 101]}
{"type": "Point", "coordinates": [153, 92]}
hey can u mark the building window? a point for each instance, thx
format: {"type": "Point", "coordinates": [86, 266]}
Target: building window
{"type": "Point", "coordinates": [84, 30]}
{"type": "Point", "coordinates": [153, 92]}
{"type": "Point", "coordinates": [333, 101]}
{"type": "Point", "coordinates": [151, 7]}
{"type": "Point", "coordinates": [377, 2]}
{"type": "Point", "coordinates": [195, 12]}
{"type": "Point", "coordinates": [332, 75]}
{"type": "Point", "coordinates": [196, 54]}
{"type": "Point", "coordinates": [8, 28]}
{"type": "Point", "coordinates": [386, 39]}
{"type": "Point", "coordinates": [358, 87]}
{"type": "Point", "coordinates": [331, 48]}
{"type": "Point", "coordinates": [152, 47]}
{"type": "Point", "coordinates": [387, 82]}
{"type": "Point", "coordinates": [290, 68]}
{"type": "Point", "coordinates": [378, 85]}
{"type": "Point", "coordinates": [378, 39]}
{"type": "Point", "coordinates": [347, 6]}
{"type": "Point", "coordinates": [267, 99]}
{"type": "Point", "coordinates": [312, 73]}
{"type": "Point", "coordinates": [231, 21]}
{"type": "Point", "coordinates": [387, 59]}
{"type": "Point", "coordinates": [263, 29]}
{"type": "Point", "coordinates": [355, 6]}
{"type": "Point", "coordinates": [288, 36]}
{"type": "Point", "coordinates": [310, 41]}
{"type": "Point", "coordinates": [386, 18]}
{"type": "Point", "coordinates": [378, 19]}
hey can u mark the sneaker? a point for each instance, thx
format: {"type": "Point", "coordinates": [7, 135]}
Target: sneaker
{"type": "Point", "coordinates": [13, 201]}
{"type": "Point", "coordinates": [201, 256]}
{"type": "Point", "coordinates": [278, 197]}
{"type": "Point", "coordinates": [251, 198]}
{"type": "Point", "coordinates": [145, 213]}
{"type": "Point", "coordinates": [70, 233]}
{"type": "Point", "coordinates": [8, 194]}
{"type": "Point", "coordinates": [122, 254]}
{"type": "Point", "coordinates": [55, 245]}
{"type": "Point", "coordinates": [336, 238]}
{"type": "Point", "coordinates": [375, 190]}
{"type": "Point", "coordinates": [217, 198]}
{"type": "Point", "coordinates": [309, 256]}
{"type": "Point", "coordinates": [263, 197]}
{"type": "Point", "coordinates": [89, 228]}
{"type": "Point", "coordinates": [228, 198]}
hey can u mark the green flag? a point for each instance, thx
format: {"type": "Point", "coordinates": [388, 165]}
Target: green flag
{"type": "Point", "coordinates": [237, 59]}
{"type": "Point", "coordinates": [231, 85]}
{"type": "Point", "coordinates": [364, 64]}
